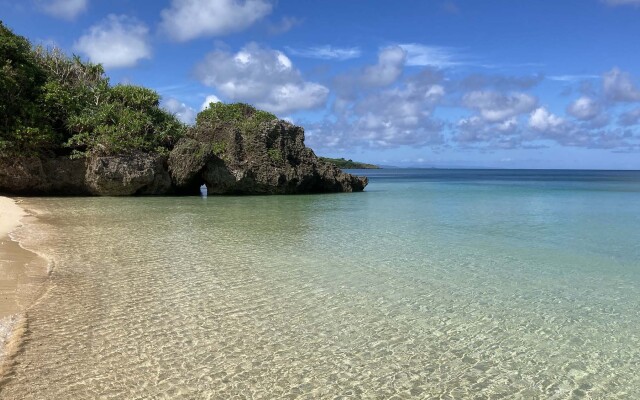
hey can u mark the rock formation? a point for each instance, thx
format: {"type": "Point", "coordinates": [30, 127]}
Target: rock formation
{"type": "Point", "coordinates": [270, 158]}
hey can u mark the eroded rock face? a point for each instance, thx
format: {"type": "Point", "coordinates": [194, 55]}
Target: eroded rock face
{"type": "Point", "coordinates": [32, 176]}
{"type": "Point", "coordinates": [138, 174]}
{"type": "Point", "coordinates": [269, 160]}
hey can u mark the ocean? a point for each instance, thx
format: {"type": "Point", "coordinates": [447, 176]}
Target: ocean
{"type": "Point", "coordinates": [446, 284]}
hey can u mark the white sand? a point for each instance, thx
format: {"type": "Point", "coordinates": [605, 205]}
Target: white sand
{"type": "Point", "coordinates": [10, 215]}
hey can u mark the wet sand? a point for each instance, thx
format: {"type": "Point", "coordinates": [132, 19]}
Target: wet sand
{"type": "Point", "coordinates": [21, 275]}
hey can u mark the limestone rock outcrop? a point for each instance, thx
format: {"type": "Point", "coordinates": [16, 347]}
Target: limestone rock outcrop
{"type": "Point", "coordinates": [40, 176]}
{"type": "Point", "coordinates": [271, 159]}
{"type": "Point", "coordinates": [139, 174]}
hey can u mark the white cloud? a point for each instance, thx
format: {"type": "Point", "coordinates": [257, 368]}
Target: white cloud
{"type": "Point", "coordinates": [619, 86]}
{"type": "Point", "coordinates": [262, 76]}
{"type": "Point", "coordinates": [326, 52]}
{"type": "Point", "coordinates": [208, 100]}
{"type": "Point", "coordinates": [388, 118]}
{"type": "Point", "coordinates": [495, 106]}
{"type": "Point", "coordinates": [388, 69]}
{"type": "Point", "coordinates": [499, 82]}
{"type": "Point", "coordinates": [117, 41]}
{"type": "Point", "coordinates": [572, 78]}
{"type": "Point", "coordinates": [285, 25]}
{"type": "Point", "coordinates": [542, 120]}
{"type": "Point", "coordinates": [476, 131]}
{"type": "Point", "coordinates": [65, 9]}
{"type": "Point", "coordinates": [190, 19]}
{"type": "Point", "coordinates": [184, 113]}
{"type": "Point", "coordinates": [629, 118]}
{"type": "Point", "coordinates": [433, 56]}
{"type": "Point", "coordinates": [584, 108]}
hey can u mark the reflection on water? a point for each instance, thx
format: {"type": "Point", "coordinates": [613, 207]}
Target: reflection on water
{"type": "Point", "coordinates": [415, 289]}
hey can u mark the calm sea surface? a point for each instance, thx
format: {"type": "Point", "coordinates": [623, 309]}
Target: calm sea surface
{"type": "Point", "coordinates": [452, 284]}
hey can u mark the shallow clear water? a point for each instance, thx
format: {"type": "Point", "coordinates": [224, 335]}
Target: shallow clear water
{"type": "Point", "coordinates": [431, 284]}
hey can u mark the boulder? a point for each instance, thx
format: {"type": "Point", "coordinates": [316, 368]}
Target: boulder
{"type": "Point", "coordinates": [33, 176]}
{"type": "Point", "coordinates": [126, 175]}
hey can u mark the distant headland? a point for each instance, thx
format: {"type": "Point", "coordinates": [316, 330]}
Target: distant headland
{"type": "Point", "coordinates": [65, 130]}
{"type": "Point", "coordinates": [349, 164]}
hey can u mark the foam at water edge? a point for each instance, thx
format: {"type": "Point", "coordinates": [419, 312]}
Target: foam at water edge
{"type": "Point", "coordinates": [14, 327]}
{"type": "Point", "coordinates": [12, 330]}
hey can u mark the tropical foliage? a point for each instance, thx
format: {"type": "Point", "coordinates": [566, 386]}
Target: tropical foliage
{"type": "Point", "coordinates": [53, 103]}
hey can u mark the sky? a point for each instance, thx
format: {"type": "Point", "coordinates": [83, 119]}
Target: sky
{"type": "Point", "coordinates": [421, 83]}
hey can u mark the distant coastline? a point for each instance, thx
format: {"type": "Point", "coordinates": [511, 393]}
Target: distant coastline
{"type": "Point", "coordinates": [348, 164]}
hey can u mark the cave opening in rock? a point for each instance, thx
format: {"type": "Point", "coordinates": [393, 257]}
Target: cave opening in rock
{"type": "Point", "coordinates": [203, 190]}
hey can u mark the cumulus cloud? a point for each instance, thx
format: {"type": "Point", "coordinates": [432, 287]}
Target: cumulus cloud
{"type": "Point", "coordinates": [208, 100]}
{"type": "Point", "coordinates": [619, 86]}
{"type": "Point", "coordinates": [388, 69]}
{"type": "Point", "coordinates": [262, 76]}
{"type": "Point", "coordinates": [182, 111]}
{"type": "Point", "coordinates": [496, 106]}
{"type": "Point", "coordinates": [326, 52]}
{"type": "Point", "coordinates": [118, 41]}
{"type": "Point", "coordinates": [387, 118]}
{"type": "Point", "coordinates": [190, 19]}
{"type": "Point", "coordinates": [584, 108]}
{"type": "Point", "coordinates": [65, 9]}
{"type": "Point", "coordinates": [542, 120]}
{"type": "Point", "coordinates": [474, 130]}
{"type": "Point", "coordinates": [431, 56]}
{"type": "Point", "coordinates": [629, 118]}
{"type": "Point", "coordinates": [507, 119]}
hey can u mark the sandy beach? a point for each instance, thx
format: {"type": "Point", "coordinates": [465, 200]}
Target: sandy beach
{"type": "Point", "coordinates": [21, 273]}
{"type": "Point", "coordinates": [12, 257]}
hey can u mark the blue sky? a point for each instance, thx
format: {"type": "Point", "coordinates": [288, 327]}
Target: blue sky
{"type": "Point", "coordinates": [451, 83]}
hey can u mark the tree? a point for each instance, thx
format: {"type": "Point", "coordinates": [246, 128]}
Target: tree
{"type": "Point", "coordinates": [23, 125]}
{"type": "Point", "coordinates": [128, 119]}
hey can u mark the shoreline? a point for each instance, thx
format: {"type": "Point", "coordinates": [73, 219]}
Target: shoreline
{"type": "Point", "coordinates": [17, 282]}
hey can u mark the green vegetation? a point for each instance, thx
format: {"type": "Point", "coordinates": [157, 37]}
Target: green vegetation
{"type": "Point", "coordinates": [348, 164]}
{"type": "Point", "coordinates": [218, 147]}
{"type": "Point", "coordinates": [244, 116]}
{"type": "Point", "coordinates": [275, 155]}
{"type": "Point", "coordinates": [55, 104]}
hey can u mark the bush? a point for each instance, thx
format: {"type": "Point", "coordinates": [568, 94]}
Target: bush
{"type": "Point", "coordinates": [129, 119]}
{"type": "Point", "coordinates": [244, 116]}
{"type": "Point", "coordinates": [52, 103]}
{"type": "Point", "coordinates": [23, 125]}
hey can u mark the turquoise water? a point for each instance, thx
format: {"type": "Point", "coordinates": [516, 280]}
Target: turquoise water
{"type": "Point", "coordinates": [430, 284]}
